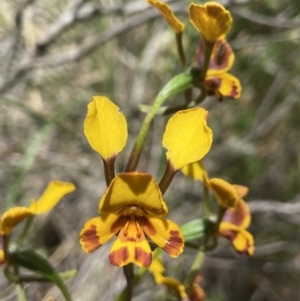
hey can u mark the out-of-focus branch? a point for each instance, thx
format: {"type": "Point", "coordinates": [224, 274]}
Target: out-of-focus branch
{"type": "Point", "coordinates": [89, 45]}
{"type": "Point", "coordinates": [274, 118]}
{"type": "Point", "coordinates": [274, 207]}
{"type": "Point", "coordinates": [270, 97]}
{"type": "Point", "coordinates": [66, 20]}
{"type": "Point", "coordinates": [79, 11]}
{"type": "Point", "coordinates": [264, 20]}
{"type": "Point", "coordinates": [14, 38]}
{"type": "Point", "coordinates": [288, 212]}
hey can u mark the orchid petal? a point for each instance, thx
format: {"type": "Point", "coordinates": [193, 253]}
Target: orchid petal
{"type": "Point", "coordinates": [187, 137]}
{"type": "Point", "coordinates": [105, 127]}
{"type": "Point", "coordinates": [168, 15]}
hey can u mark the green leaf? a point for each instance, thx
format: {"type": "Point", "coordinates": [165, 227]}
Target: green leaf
{"type": "Point", "coordinates": [38, 264]}
{"type": "Point", "coordinates": [194, 229]}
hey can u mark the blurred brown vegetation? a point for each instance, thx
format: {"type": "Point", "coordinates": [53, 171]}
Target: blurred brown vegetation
{"type": "Point", "coordinates": [55, 55]}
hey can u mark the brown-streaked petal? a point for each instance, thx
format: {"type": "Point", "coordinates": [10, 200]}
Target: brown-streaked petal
{"type": "Point", "coordinates": [224, 192]}
{"type": "Point", "coordinates": [99, 230]}
{"type": "Point", "coordinates": [165, 233]}
{"type": "Point", "coordinates": [239, 216]}
{"type": "Point", "coordinates": [133, 189]}
{"type": "Point", "coordinates": [131, 246]}
{"type": "Point", "coordinates": [12, 217]}
{"type": "Point", "coordinates": [222, 58]}
{"type": "Point", "coordinates": [223, 84]}
{"type": "Point", "coordinates": [242, 240]}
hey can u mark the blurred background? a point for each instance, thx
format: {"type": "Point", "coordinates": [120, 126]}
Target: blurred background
{"type": "Point", "coordinates": [55, 55]}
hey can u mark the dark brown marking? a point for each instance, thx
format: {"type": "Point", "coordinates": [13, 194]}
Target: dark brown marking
{"type": "Point", "coordinates": [174, 244]}
{"type": "Point", "coordinates": [119, 256]}
{"type": "Point", "coordinates": [90, 240]}
{"type": "Point", "coordinates": [234, 91]}
{"type": "Point", "coordinates": [237, 216]}
{"type": "Point", "coordinates": [143, 257]}
{"type": "Point", "coordinates": [148, 228]}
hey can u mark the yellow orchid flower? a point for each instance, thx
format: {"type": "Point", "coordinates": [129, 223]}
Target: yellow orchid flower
{"type": "Point", "coordinates": [168, 15]}
{"type": "Point", "coordinates": [157, 269]}
{"type": "Point", "coordinates": [51, 196]}
{"type": "Point", "coordinates": [55, 191]}
{"type": "Point", "coordinates": [237, 216]}
{"type": "Point", "coordinates": [234, 225]}
{"type": "Point", "coordinates": [224, 192]}
{"type": "Point", "coordinates": [132, 207]}
{"type": "Point", "coordinates": [212, 20]}
{"type": "Point", "coordinates": [218, 81]}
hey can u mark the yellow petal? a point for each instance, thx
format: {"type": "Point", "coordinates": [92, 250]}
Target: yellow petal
{"type": "Point", "coordinates": [239, 216]}
{"type": "Point", "coordinates": [225, 84]}
{"type": "Point", "coordinates": [105, 127]}
{"type": "Point", "coordinates": [196, 292]}
{"type": "Point", "coordinates": [195, 171]}
{"type": "Point", "coordinates": [157, 269]}
{"type": "Point", "coordinates": [212, 20]}
{"type": "Point", "coordinates": [164, 233]}
{"type": "Point", "coordinates": [222, 58]}
{"type": "Point", "coordinates": [242, 240]}
{"type": "Point", "coordinates": [136, 190]}
{"type": "Point", "coordinates": [12, 217]}
{"type": "Point", "coordinates": [168, 14]}
{"type": "Point", "coordinates": [224, 192]}
{"type": "Point", "coordinates": [175, 285]}
{"type": "Point", "coordinates": [241, 190]}
{"type": "Point", "coordinates": [2, 260]}
{"type": "Point", "coordinates": [131, 246]}
{"type": "Point", "coordinates": [187, 137]}
{"type": "Point", "coordinates": [54, 192]}
{"type": "Point", "coordinates": [99, 230]}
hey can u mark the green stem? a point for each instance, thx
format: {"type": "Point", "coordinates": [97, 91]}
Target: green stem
{"type": "Point", "coordinates": [194, 269]}
{"type": "Point", "coordinates": [167, 177]}
{"type": "Point", "coordinates": [220, 216]}
{"type": "Point", "coordinates": [188, 95]}
{"type": "Point", "coordinates": [206, 200]}
{"type": "Point", "coordinates": [207, 54]}
{"type": "Point", "coordinates": [25, 230]}
{"type": "Point", "coordinates": [109, 169]}
{"type": "Point", "coordinates": [5, 240]}
{"type": "Point", "coordinates": [180, 49]}
{"type": "Point", "coordinates": [128, 271]}
{"type": "Point", "coordinates": [138, 276]}
{"type": "Point", "coordinates": [177, 84]}
{"type": "Point", "coordinates": [202, 95]}
{"type": "Point", "coordinates": [21, 292]}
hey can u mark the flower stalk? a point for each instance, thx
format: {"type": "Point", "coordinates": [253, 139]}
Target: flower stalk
{"type": "Point", "coordinates": [177, 84]}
